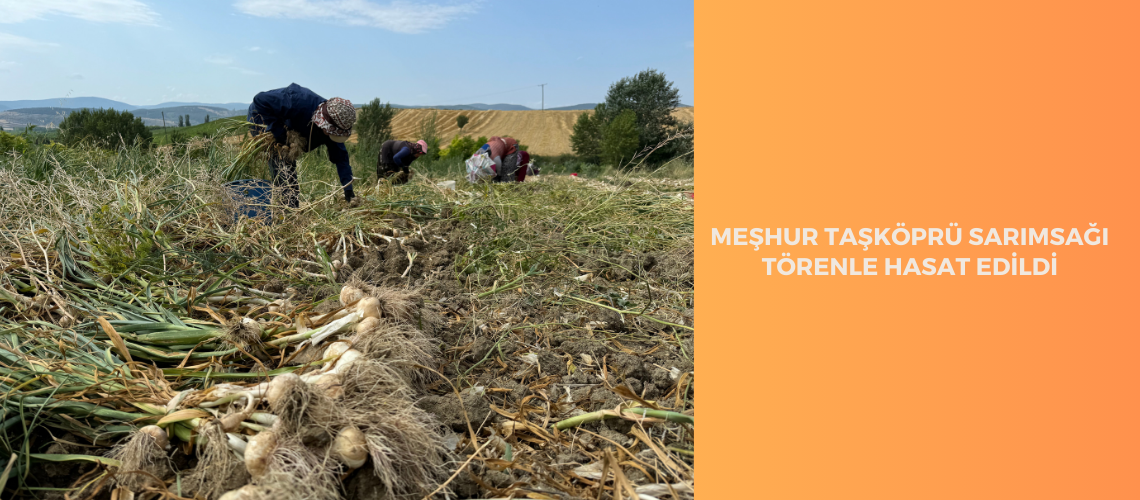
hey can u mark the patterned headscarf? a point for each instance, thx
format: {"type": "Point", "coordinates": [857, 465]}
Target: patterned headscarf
{"type": "Point", "coordinates": [336, 117]}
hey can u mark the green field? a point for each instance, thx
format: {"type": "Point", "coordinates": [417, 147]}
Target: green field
{"type": "Point", "coordinates": [165, 136]}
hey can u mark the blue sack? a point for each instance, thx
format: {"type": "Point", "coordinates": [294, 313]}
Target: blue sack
{"type": "Point", "coordinates": [254, 196]}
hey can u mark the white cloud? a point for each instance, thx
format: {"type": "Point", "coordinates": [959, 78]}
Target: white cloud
{"type": "Point", "coordinates": [8, 40]}
{"type": "Point", "coordinates": [398, 16]}
{"type": "Point", "coordinates": [253, 49]}
{"type": "Point", "coordinates": [100, 11]}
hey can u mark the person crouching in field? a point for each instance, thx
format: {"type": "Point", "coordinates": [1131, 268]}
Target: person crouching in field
{"type": "Point", "coordinates": [302, 121]}
{"type": "Point", "coordinates": [504, 153]}
{"type": "Point", "coordinates": [395, 157]}
{"type": "Point", "coordinates": [524, 167]}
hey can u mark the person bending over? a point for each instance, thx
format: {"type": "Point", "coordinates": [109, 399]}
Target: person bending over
{"type": "Point", "coordinates": [300, 119]}
{"type": "Point", "coordinates": [395, 158]}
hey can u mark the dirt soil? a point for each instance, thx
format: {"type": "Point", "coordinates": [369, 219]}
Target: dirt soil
{"type": "Point", "coordinates": [516, 381]}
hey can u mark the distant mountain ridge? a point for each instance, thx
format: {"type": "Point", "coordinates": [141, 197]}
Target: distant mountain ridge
{"type": "Point", "coordinates": [236, 106]}
{"type": "Point", "coordinates": [66, 102]}
{"type": "Point", "coordinates": [50, 117]}
{"type": "Point", "coordinates": [577, 107]}
{"type": "Point", "coordinates": [99, 102]}
{"type": "Point", "coordinates": [49, 112]}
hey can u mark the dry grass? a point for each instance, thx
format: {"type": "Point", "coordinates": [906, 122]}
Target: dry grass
{"type": "Point", "coordinates": [511, 291]}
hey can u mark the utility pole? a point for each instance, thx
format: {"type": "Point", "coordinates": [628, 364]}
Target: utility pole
{"type": "Point", "coordinates": [543, 85]}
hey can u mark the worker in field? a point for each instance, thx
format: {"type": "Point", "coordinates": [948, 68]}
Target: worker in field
{"type": "Point", "coordinates": [504, 153]}
{"type": "Point", "coordinates": [396, 157]}
{"type": "Point", "coordinates": [525, 167]}
{"type": "Point", "coordinates": [301, 121]}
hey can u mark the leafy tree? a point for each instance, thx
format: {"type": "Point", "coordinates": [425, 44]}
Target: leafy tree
{"type": "Point", "coordinates": [187, 120]}
{"type": "Point", "coordinates": [620, 138]}
{"type": "Point", "coordinates": [652, 98]}
{"type": "Point", "coordinates": [461, 120]}
{"type": "Point", "coordinates": [180, 124]}
{"type": "Point", "coordinates": [683, 145]}
{"type": "Point", "coordinates": [374, 125]}
{"type": "Point", "coordinates": [207, 119]}
{"type": "Point", "coordinates": [103, 127]}
{"type": "Point", "coordinates": [586, 139]}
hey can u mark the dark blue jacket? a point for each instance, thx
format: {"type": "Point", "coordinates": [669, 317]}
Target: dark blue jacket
{"type": "Point", "coordinates": [404, 157]}
{"type": "Point", "coordinates": [397, 153]}
{"type": "Point", "coordinates": [292, 108]}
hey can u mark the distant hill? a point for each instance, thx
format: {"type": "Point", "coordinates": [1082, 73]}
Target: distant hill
{"type": "Point", "coordinates": [197, 114]}
{"type": "Point", "coordinates": [474, 107]}
{"type": "Point", "coordinates": [239, 106]}
{"type": "Point", "coordinates": [48, 117]}
{"type": "Point", "coordinates": [576, 107]}
{"type": "Point", "coordinates": [242, 107]}
{"type": "Point", "coordinates": [66, 102]}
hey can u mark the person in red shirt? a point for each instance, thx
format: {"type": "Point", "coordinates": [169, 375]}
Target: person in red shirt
{"type": "Point", "coordinates": [524, 167]}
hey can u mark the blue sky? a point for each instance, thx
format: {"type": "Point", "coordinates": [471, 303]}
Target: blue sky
{"type": "Point", "coordinates": [418, 53]}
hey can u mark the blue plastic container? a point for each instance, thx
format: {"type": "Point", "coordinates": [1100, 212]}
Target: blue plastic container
{"type": "Point", "coordinates": [256, 195]}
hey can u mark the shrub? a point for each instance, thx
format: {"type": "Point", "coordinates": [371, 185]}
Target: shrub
{"type": "Point", "coordinates": [104, 128]}
{"type": "Point", "coordinates": [373, 127]}
{"type": "Point", "coordinates": [461, 148]}
{"type": "Point", "coordinates": [620, 138]}
{"type": "Point", "coordinates": [429, 132]}
{"type": "Point", "coordinates": [10, 143]}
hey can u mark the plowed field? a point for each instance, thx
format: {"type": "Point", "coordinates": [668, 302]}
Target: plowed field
{"type": "Point", "coordinates": [544, 132]}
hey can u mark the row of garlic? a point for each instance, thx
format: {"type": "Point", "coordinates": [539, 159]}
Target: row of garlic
{"type": "Point", "coordinates": [349, 446]}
